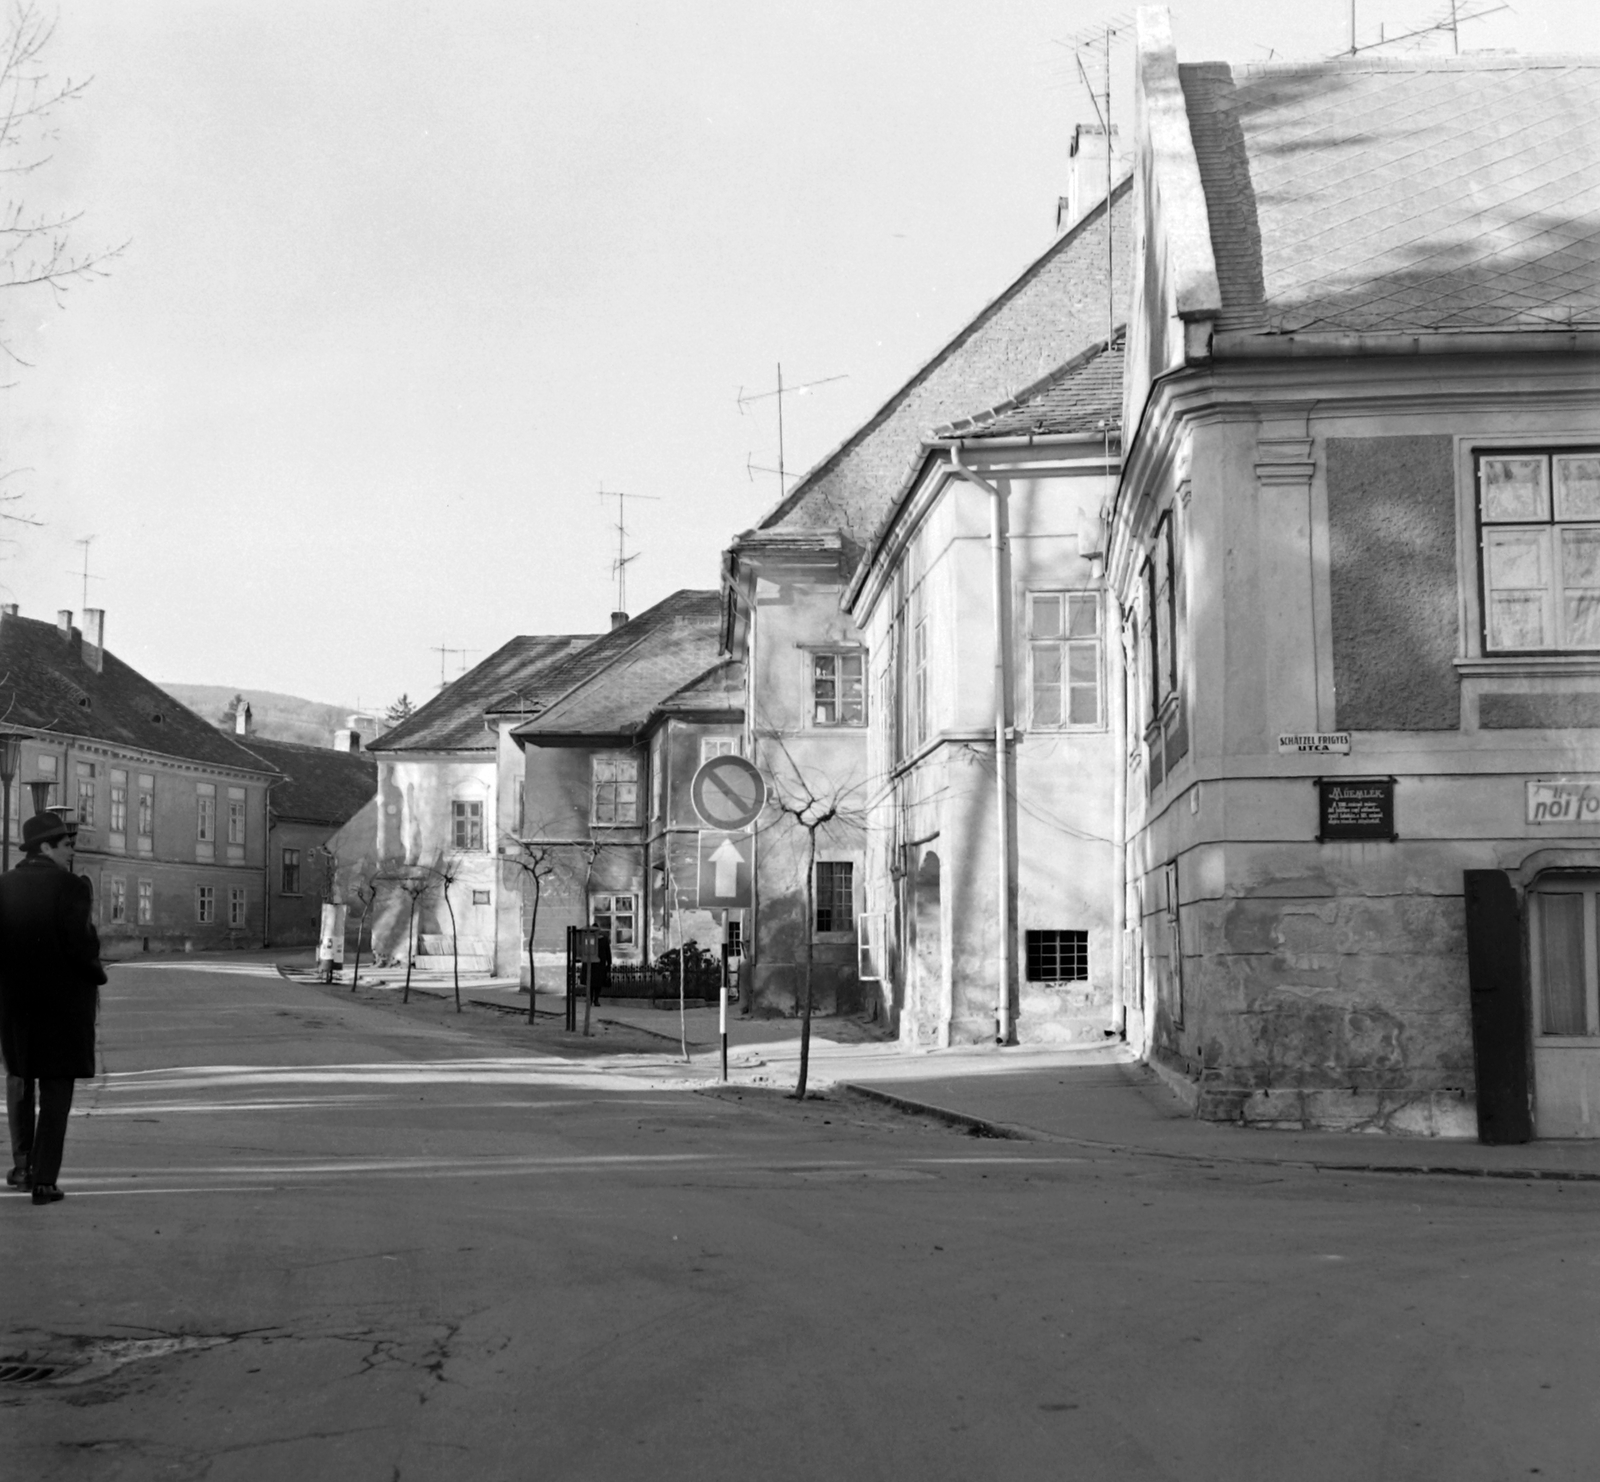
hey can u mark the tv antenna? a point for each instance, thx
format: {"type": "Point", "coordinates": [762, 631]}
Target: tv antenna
{"type": "Point", "coordinates": [742, 401]}
{"type": "Point", "coordinates": [443, 652]}
{"type": "Point", "coordinates": [1449, 19]}
{"type": "Point", "coordinates": [85, 543]}
{"type": "Point", "coordinates": [619, 566]}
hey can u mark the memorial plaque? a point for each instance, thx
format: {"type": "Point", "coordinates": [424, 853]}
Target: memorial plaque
{"type": "Point", "coordinates": [1358, 808]}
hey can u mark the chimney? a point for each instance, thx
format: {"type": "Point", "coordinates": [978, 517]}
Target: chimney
{"type": "Point", "coordinates": [8, 609]}
{"type": "Point", "coordinates": [1086, 176]}
{"type": "Point", "coordinates": [94, 637]}
{"type": "Point", "coordinates": [64, 623]}
{"type": "Point", "coordinates": [347, 740]}
{"type": "Point", "coordinates": [618, 619]}
{"type": "Point", "coordinates": [243, 721]}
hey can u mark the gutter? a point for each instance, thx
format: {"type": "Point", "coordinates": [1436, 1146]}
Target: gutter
{"type": "Point", "coordinates": [1000, 578]}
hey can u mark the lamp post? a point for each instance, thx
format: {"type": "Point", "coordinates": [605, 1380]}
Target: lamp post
{"type": "Point", "coordinates": [10, 760]}
{"type": "Point", "coordinates": [41, 794]}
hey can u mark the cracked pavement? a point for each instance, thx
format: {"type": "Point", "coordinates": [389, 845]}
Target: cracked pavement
{"type": "Point", "coordinates": [313, 1238]}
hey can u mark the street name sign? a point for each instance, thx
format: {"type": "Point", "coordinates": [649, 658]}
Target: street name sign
{"type": "Point", "coordinates": [728, 793]}
{"type": "Point", "coordinates": [1314, 743]}
{"type": "Point", "coordinates": [724, 870]}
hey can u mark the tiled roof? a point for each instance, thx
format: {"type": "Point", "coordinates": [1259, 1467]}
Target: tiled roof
{"type": "Point", "coordinates": [721, 689]}
{"type": "Point", "coordinates": [46, 685]}
{"type": "Point", "coordinates": [453, 719]}
{"type": "Point", "coordinates": [1084, 395]}
{"type": "Point", "coordinates": [1402, 195]}
{"type": "Point", "coordinates": [645, 661]}
{"type": "Point", "coordinates": [321, 785]}
{"type": "Point", "coordinates": [1055, 308]}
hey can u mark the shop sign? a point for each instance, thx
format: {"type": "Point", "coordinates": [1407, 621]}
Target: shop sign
{"type": "Point", "coordinates": [1355, 808]}
{"type": "Point", "coordinates": [1555, 800]}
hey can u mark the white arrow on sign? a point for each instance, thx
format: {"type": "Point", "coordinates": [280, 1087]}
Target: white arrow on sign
{"type": "Point", "coordinates": [726, 859]}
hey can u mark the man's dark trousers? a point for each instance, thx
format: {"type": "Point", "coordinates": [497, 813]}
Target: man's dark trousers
{"type": "Point", "coordinates": [38, 1140]}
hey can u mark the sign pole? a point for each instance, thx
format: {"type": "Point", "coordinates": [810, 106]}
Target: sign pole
{"type": "Point", "coordinates": [722, 1015]}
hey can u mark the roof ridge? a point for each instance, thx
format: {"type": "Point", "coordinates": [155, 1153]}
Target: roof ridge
{"type": "Point", "coordinates": [1078, 362]}
{"type": "Point", "coordinates": [1120, 190]}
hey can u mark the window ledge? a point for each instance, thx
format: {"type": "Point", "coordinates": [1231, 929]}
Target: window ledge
{"type": "Point", "coordinates": [1530, 665]}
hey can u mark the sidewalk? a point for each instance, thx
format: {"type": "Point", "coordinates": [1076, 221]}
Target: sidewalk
{"type": "Point", "coordinates": [1098, 1097]}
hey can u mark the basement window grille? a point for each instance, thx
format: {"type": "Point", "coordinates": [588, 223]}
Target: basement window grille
{"type": "Point", "coordinates": [1057, 956]}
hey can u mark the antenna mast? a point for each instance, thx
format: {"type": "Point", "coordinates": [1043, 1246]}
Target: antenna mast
{"type": "Point", "coordinates": [742, 401]}
{"type": "Point", "coordinates": [619, 567]}
{"type": "Point", "coordinates": [86, 542]}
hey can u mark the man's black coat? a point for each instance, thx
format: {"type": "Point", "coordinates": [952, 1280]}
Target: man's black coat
{"type": "Point", "coordinates": [50, 972]}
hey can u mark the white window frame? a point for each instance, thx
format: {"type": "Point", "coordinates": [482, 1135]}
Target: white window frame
{"type": "Point", "coordinates": [236, 815]}
{"type": "Point", "coordinates": [87, 784]}
{"type": "Point", "coordinates": [1473, 658]}
{"type": "Point", "coordinates": [147, 806]}
{"type": "Point", "coordinates": [238, 907]}
{"type": "Point", "coordinates": [836, 934]}
{"type": "Point", "coordinates": [117, 901]}
{"type": "Point", "coordinates": [461, 813]}
{"type": "Point", "coordinates": [612, 800]}
{"type": "Point", "coordinates": [1064, 645]}
{"type": "Point", "coordinates": [711, 746]}
{"type": "Point", "coordinates": [205, 823]}
{"type": "Point", "coordinates": [1587, 888]}
{"type": "Point", "coordinates": [838, 656]}
{"type": "Point", "coordinates": [118, 819]}
{"type": "Point", "coordinates": [146, 903]}
{"type": "Point", "coordinates": [205, 904]}
{"type": "Point", "coordinates": [611, 915]}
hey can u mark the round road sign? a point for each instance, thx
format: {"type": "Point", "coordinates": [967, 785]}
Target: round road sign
{"type": "Point", "coordinates": [728, 793]}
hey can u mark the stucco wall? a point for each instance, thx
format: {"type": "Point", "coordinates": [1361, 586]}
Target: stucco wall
{"type": "Point", "coordinates": [1392, 560]}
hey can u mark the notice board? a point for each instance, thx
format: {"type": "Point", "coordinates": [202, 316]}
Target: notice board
{"type": "Point", "coordinates": [1355, 808]}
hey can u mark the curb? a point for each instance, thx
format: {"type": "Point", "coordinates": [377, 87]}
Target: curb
{"type": "Point", "coordinates": [1016, 1132]}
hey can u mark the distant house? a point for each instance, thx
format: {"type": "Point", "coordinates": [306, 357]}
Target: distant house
{"type": "Point", "coordinates": [321, 792]}
{"type": "Point", "coordinates": [815, 687]}
{"type": "Point", "coordinates": [439, 801]}
{"type": "Point", "coordinates": [607, 763]}
{"type": "Point", "coordinates": [1357, 546]}
{"type": "Point", "coordinates": [172, 812]}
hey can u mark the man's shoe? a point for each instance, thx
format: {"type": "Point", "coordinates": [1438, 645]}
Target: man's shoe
{"type": "Point", "coordinates": [46, 1194]}
{"type": "Point", "coordinates": [20, 1177]}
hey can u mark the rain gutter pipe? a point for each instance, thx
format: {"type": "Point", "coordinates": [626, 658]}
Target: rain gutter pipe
{"type": "Point", "coordinates": [1000, 574]}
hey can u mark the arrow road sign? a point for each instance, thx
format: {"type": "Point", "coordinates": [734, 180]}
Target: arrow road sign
{"type": "Point", "coordinates": [724, 872]}
{"type": "Point", "coordinates": [728, 792]}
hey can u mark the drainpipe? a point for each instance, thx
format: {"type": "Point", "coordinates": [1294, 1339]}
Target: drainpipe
{"type": "Point", "coordinates": [1000, 575]}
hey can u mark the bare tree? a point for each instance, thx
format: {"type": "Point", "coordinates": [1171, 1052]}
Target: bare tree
{"type": "Point", "coordinates": [535, 862]}
{"type": "Point", "coordinates": [415, 881]}
{"type": "Point", "coordinates": [36, 246]}
{"type": "Point", "coordinates": [365, 891]}
{"type": "Point", "coordinates": [447, 872]}
{"type": "Point", "coordinates": [811, 805]}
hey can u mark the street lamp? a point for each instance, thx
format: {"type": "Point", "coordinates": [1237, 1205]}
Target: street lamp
{"type": "Point", "coordinates": [41, 794]}
{"type": "Point", "coordinates": [10, 760]}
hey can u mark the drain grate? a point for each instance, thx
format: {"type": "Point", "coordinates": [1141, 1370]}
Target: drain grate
{"type": "Point", "coordinates": [15, 1373]}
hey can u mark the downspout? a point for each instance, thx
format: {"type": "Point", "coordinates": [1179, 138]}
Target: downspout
{"type": "Point", "coordinates": [1000, 577]}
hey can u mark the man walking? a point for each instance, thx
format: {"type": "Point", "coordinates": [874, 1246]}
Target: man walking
{"type": "Point", "coordinates": [50, 977]}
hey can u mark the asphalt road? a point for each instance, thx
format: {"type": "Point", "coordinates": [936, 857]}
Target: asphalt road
{"type": "Point", "coordinates": [307, 1238]}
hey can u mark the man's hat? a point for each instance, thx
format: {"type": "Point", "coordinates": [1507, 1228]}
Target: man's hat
{"type": "Point", "coordinates": [44, 828]}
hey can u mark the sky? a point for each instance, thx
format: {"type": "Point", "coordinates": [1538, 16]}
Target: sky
{"type": "Point", "coordinates": [406, 284]}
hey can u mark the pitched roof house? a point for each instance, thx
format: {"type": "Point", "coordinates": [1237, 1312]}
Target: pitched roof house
{"type": "Point", "coordinates": [171, 811]}
{"type": "Point", "coordinates": [1358, 546]}
{"type": "Point", "coordinates": [807, 660]}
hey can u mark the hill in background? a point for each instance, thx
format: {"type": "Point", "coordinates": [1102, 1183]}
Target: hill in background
{"type": "Point", "coordinates": [276, 717]}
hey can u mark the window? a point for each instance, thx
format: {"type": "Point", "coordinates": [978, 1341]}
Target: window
{"type": "Point", "coordinates": [838, 688]}
{"type": "Point", "coordinates": [1064, 659]}
{"type": "Point", "coordinates": [1564, 957]}
{"type": "Point", "coordinates": [617, 915]}
{"type": "Point", "coordinates": [1163, 615]}
{"type": "Point", "coordinates": [86, 794]}
{"type": "Point", "coordinates": [480, 897]}
{"type": "Point", "coordinates": [616, 790]}
{"type": "Point", "coordinates": [147, 807]}
{"type": "Point", "coordinates": [290, 875]}
{"type": "Point", "coordinates": [1539, 532]}
{"type": "Point", "coordinates": [147, 902]}
{"type": "Point", "coordinates": [119, 801]}
{"type": "Point", "coordinates": [236, 815]}
{"type": "Point", "coordinates": [658, 773]}
{"type": "Point", "coordinates": [733, 936]}
{"type": "Point", "coordinates": [48, 768]}
{"type": "Point", "coordinates": [1057, 956]}
{"type": "Point", "coordinates": [466, 824]}
{"type": "Point", "coordinates": [711, 746]}
{"type": "Point", "coordinates": [205, 903]}
{"type": "Point", "coordinates": [117, 898]}
{"type": "Point", "coordinates": [835, 895]}
{"type": "Point", "coordinates": [236, 906]}
{"type": "Point", "coordinates": [206, 814]}
{"type": "Point", "coordinates": [869, 948]}
{"type": "Point", "coordinates": [921, 710]}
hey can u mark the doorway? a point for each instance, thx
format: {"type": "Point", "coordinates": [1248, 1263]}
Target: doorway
{"type": "Point", "coordinates": [926, 999]}
{"type": "Point", "coordinates": [1564, 963]}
